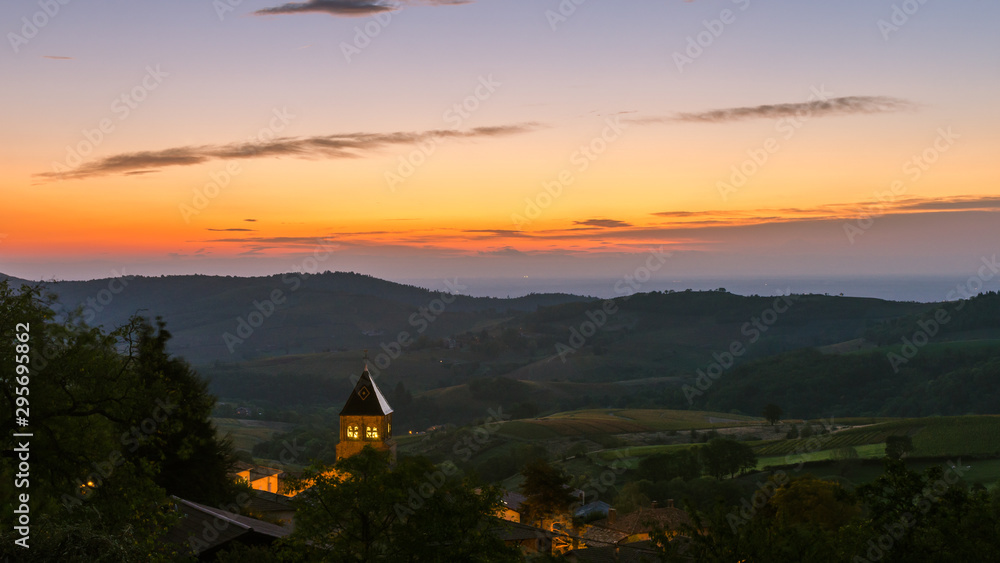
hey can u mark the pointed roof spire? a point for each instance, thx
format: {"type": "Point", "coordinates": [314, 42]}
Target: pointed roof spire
{"type": "Point", "coordinates": [366, 399]}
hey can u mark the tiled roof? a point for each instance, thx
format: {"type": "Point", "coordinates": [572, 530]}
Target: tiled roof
{"type": "Point", "coordinates": [189, 532]}
{"type": "Point", "coordinates": [646, 520]}
{"type": "Point", "coordinates": [513, 500]}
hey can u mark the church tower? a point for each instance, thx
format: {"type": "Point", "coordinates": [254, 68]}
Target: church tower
{"type": "Point", "coordinates": [366, 419]}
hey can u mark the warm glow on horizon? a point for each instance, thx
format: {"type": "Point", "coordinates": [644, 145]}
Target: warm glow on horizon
{"type": "Point", "coordinates": [260, 138]}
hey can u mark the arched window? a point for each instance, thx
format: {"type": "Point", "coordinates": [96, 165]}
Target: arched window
{"type": "Point", "coordinates": [352, 432]}
{"type": "Point", "coordinates": [371, 432]}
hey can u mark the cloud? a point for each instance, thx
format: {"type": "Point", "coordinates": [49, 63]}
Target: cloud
{"type": "Point", "coordinates": [847, 105]}
{"type": "Point", "coordinates": [349, 8]}
{"type": "Point", "coordinates": [232, 230]}
{"type": "Point", "coordinates": [351, 145]}
{"type": "Point", "coordinates": [57, 58]}
{"type": "Point", "coordinates": [505, 251]}
{"type": "Point", "coordinates": [250, 220]}
{"type": "Point", "coordinates": [954, 204]}
{"type": "Point", "coordinates": [603, 223]}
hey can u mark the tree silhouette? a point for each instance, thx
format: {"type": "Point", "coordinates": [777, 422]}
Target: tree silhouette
{"type": "Point", "coordinates": [772, 413]}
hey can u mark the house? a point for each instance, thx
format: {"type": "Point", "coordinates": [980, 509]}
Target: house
{"type": "Point", "coordinates": [273, 507]}
{"type": "Point", "coordinates": [203, 531]}
{"type": "Point", "coordinates": [512, 508]}
{"type": "Point", "coordinates": [635, 526]}
{"type": "Point", "coordinates": [592, 510]}
{"type": "Point", "coordinates": [260, 478]}
{"type": "Point", "coordinates": [530, 539]}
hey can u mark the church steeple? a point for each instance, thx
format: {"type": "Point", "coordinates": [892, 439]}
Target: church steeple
{"type": "Point", "coordinates": [366, 419]}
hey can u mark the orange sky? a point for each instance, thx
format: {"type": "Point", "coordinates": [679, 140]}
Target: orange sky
{"type": "Point", "coordinates": [238, 149]}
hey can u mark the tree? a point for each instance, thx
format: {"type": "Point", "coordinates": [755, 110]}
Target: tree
{"type": "Point", "coordinates": [684, 464]}
{"type": "Point", "coordinates": [772, 413]}
{"type": "Point", "coordinates": [722, 456]}
{"type": "Point", "coordinates": [898, 446]}
{"type": "Point", "coordinates": [193, 461]}
{"type": "Point", "coordinates": [364, 509]}
{"type": "Point", "coordinates": [546, 489]}
{"type": "Point", "coordinates": [114, 422]}
{"type": "Point", "coordinates": [633, 496]}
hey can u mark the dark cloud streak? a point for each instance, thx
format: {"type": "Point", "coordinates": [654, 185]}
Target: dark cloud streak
{"type": "Point", "coordinates": [348, 8]}
{"type": "Point", "coordinates": [352, 145]}
{"type": "Point", "coordinates": [847, 105]}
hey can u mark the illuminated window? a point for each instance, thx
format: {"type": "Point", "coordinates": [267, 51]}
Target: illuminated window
{"type": "Point", "coordinates": [352, 432]}
{"type": "Point", "coordinates": [371, 433]}
{"type": "Point", "coordinates": [388, 430]}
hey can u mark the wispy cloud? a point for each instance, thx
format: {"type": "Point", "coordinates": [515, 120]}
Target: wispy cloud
{"type": "Point", "coordinates": [57, 58]}
{"type": "Point", "coordinates": [603, 223]}
{"type": "Point", "coordinates": [232, 230]}
{"type": "Point", "coordinates": [846, 105]}
{"type": "Point", "coordinates": [351, 145]}
{"type": "Point", "coordinates": [349, 8]}
{"type": "Point", "coordinates": [707, 230]}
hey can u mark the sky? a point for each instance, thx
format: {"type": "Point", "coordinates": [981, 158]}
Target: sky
{"type": "Point", "coordinates": [503, 140]}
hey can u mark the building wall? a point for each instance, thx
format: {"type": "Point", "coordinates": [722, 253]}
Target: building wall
{"type": "Point", "coordinates": [349, 446]}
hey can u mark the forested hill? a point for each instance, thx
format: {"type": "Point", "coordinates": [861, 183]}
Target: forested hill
{"type": "Point", "coordinates": [302, 313]}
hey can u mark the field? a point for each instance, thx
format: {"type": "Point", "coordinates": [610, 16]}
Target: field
{"type": "Point", "coordinates": [932, 437]}
{"type": "Point", "coordinates": [868, 451]}
{"type": "Point", "coordinates": [623, 421]}
{"type": "Point", "coordinates": [247, 433]}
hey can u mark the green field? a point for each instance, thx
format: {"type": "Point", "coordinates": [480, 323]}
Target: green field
{"type": "Point", "coordinates": [247, 433]}
{"type": "Point", "coordinates": [932, 437]}
{"type": "Point", "coordinates": [868, 451]}
{"type": "Point", "coordinates": [622, 421]}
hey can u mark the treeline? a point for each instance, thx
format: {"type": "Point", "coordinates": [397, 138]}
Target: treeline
{"type": "Point", "coordinates": [979, 312]}
{"type": "Point", "coordinates": [948, 378]}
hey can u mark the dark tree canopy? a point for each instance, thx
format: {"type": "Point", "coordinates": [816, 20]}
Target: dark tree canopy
{"type": "Point", "coordinates": [547, 489]}
{"type": "Point", "coordinates": [365, 509]}
{"type": "Point", "coordinates": [117, 426]}
{"type": "Point", "coordinates": [772, 413]}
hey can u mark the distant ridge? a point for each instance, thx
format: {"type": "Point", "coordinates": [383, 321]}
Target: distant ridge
{"type": "Point", "coordinates": [300, 313]}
